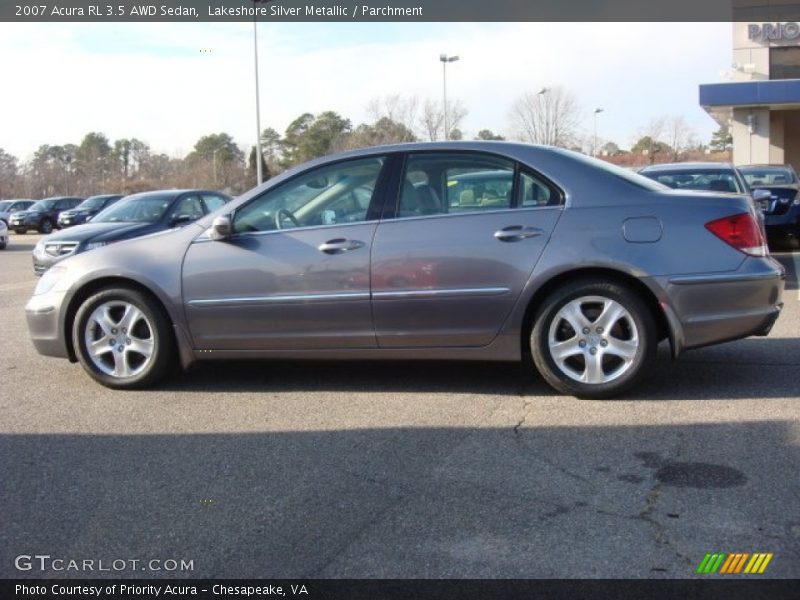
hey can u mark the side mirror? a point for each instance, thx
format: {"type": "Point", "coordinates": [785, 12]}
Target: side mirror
{"type": "Point", "coordinates": [221, 228]}
{"type": "Point", "coordinates": [761, 194]}
{"type": "Point", "coordinates": [180, 220]}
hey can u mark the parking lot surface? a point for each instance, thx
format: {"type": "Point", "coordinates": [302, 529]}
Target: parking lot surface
{"type": "Point", "coordinates": [306, 469]}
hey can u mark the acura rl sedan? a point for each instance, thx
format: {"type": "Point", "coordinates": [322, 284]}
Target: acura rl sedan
{"type": "Point", "coordinates": [458, 250]}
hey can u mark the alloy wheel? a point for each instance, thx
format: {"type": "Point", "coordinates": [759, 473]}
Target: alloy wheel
{"type": "Point", "coordinates": [593, 339]}
{"type": "Point", "coordinates": [119, 339]}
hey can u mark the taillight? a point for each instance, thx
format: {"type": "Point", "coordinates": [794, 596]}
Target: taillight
{"type": "Point", "coordinates": [740, 231]}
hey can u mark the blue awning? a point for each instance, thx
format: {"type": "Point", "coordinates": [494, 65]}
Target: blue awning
{"type": "Point", "coordinates": [750, 93]}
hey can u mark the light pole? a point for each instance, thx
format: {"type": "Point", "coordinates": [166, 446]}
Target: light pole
{"type": "Point", "coordinates": [446, 59]}
{"type": "Point", "coordinates": [545, 120]}
{"type": "Point", "coordinates": [259, 174]}
{"type": "Point", "coordinates": [597, 111]}
{"type": "Point", "coordinates": [214, 157]}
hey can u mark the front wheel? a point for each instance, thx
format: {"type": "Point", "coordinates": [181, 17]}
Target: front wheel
{"type": "Point", "coordinates": [123, 339]}
{"type": "Point", "coordinates": [593, 339]}
{"type": "Point", "coordinates": [46, 226]}
{"type": "Point", "coordinates": [20, 230]}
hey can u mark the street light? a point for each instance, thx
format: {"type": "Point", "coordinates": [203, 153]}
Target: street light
{"type": "Point", "coordinates": [259, 174]}
{"type": "Point", "coordinates": [597, 111]}
{"type": "Point", "coordinates": [446, 59]}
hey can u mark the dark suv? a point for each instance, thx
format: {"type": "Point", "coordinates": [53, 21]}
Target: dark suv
{"type": "Point", "coordinates": [86, 209]}
{"type": "Point", "coordinates": [782, 212]}
{"type": "Point", "coordinates": [43, 215]}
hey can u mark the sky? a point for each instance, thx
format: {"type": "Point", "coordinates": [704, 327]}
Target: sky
{"type": "Point", "coordinates": [168, 84]}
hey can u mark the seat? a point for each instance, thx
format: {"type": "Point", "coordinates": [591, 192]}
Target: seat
{"type": "Point", "coordinates": [429, 203]}
{"type": "Point", "coordinates": [409, 201]}
{"type": "Point", "coordinates": [721, 185]}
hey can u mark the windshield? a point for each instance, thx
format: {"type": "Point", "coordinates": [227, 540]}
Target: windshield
{"type": "Point", "coordinates": [619, 172]}
{"type": "Point", "coordinates": [709, 180]}
{"type": "Point", "coordinates": [136, 209]}
{"type": "Point", "coordinates": [43, 205]}
{"type": "Point", "coordinates": [756, 177]}
{"type": "Point", "coordinates": [92, 203]}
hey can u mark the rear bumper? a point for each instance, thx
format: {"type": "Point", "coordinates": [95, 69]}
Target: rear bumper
{"type": "Point", "coordinates": [712, 308]}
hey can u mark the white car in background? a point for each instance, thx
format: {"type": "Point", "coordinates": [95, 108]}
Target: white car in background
{"type": "Point", "coordinates": [3, 235]}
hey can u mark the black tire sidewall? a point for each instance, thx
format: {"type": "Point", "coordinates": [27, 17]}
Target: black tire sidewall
{"type": "Point", "coordinates": [43, 228]}
{"type": "Point", "coordinates": [163, 353]}
{"type": "Point", "coordinates": [641, 315]}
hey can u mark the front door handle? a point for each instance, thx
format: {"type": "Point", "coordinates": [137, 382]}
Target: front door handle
{"type": "Point", "coordinates": [340, 245]}
{"type": "Point", "coordinates": [514, 233]}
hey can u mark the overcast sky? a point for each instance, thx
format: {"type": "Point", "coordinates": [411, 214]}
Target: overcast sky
{"type": "Point", "coordinates": [152, 82]}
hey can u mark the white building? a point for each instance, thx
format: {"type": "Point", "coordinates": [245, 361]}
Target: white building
{"type": "Point", "coordinates": [760, 102]}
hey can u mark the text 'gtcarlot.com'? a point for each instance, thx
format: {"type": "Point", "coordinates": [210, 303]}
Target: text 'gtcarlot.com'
{"type": "Point", "coordinates": [44, 562]}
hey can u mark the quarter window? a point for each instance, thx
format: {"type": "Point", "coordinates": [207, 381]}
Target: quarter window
{"type": "Point", "coordinates": [330, 195]}
{"type": "Point", "coordinates": [533, 191]}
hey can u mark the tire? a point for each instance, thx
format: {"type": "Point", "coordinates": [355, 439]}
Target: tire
{"type": "Point", "coordinates": [2, 246]}
{"type": "Point", "coordinates": [601, 363]}
{"type": "Point", "coordinates": [145, 338]}
{"type": "Point", "coordinates": [46, 226]}
{"type": "Point", "coordinates": [20, 231]}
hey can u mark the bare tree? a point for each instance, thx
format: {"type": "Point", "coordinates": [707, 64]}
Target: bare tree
{"type": "Point", "coordinates": [678, 135]}
{"type": "Point", "coordinates": [396, 108]}
{"type": "Point", "coordinates": [432, 120]}
{"type": "Point", "coordinates": [550, 117]}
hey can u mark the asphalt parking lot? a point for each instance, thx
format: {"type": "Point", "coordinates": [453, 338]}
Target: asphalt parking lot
{"type": "Point", "coordinates": [276, 469]}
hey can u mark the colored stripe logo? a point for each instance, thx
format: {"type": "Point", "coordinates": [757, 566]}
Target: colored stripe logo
{"type": "Point", "coordinates": [734, 563]}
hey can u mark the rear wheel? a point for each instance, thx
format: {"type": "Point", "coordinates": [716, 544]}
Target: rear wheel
{"type": "Point", "coordinates": [123, 339]}
{"type": "Point", "coordinates": [593, 339]}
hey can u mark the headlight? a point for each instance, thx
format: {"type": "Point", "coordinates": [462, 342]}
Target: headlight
{"type": "Point", "coordinates": [796, 201]}
{"type": "Point", "coordinates": [93, 245]}
{"type": "Point", "coordinates": [49, 280]}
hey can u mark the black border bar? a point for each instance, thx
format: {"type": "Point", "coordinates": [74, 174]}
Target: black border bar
{"type": "Point", "coordinates": [560, 12]}
{"type": "Point", "coordinates": [733, 588]}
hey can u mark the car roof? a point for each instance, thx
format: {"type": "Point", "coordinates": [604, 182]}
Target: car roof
{"type": "Point", "coordinates": [688, 166]}
{"type": "Point", "coordinates": [764, 166]}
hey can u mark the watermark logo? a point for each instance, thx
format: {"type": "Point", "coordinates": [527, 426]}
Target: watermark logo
{"type": "Point", "coordinates": [733, 563]}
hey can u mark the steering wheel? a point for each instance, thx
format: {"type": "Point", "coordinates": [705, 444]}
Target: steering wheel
{"type": "Point", "coordinates": [280, 214]}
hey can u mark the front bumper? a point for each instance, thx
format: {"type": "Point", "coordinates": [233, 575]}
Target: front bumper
{"type": "Point", "coordinates": [718, 307]}
{"type": "Point", "coordinates": [45, 328]}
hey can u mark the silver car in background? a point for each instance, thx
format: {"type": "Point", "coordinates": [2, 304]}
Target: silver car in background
{"type": "Point", "coordinates": [458, 250]}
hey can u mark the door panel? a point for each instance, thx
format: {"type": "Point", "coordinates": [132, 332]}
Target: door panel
{"type": "Point", "coordinates": [451, 280]}
{"type": "Point", "coordinates": [279, 291]}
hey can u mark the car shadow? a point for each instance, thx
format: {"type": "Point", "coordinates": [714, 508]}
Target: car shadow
{"type": "Point", "coordinates": [401, 501]}
{"type": "Point", "coordinates": [18, 243]}
{"type": "Point", "coordinates": [750, 368]}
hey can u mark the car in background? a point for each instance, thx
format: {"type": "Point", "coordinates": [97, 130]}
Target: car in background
{"type": "Point", "coordinates": [782, 213]}
{"type": "Point", "coordinates": [86, 210]}
{"type": "Point", "coordinates": [424, 251]}
{"type": "Point", "coordinates": [3, 235]}
{"type": "Point", "coordinates": [133, 216]}
{"type": "Point", "coordinates": [11, 206]}
{"type": "Point", "coordinates": [42, 215]}
{"type": "Point", "coordinates": [703, 176]}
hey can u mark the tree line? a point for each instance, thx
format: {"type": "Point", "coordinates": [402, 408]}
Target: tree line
{"type": "Point", "coordinates": [552, 116]}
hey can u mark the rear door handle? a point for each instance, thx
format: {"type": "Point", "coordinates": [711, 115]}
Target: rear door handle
{"type": "Point", "coordinates": [340, 245]}
{"type": "Point", "coordinates": [514, 233]}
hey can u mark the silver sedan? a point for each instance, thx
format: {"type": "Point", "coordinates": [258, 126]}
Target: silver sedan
{"type": "Point", "coordinates": [465, 250]}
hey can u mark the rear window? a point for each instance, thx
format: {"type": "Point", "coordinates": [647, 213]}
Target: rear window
{"type": "Point", "coordinates": [618, 172]}
{"type": "Point", "coordinates": [709, 180]}
{"type": "Point", "coordinates": [773, 176]}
